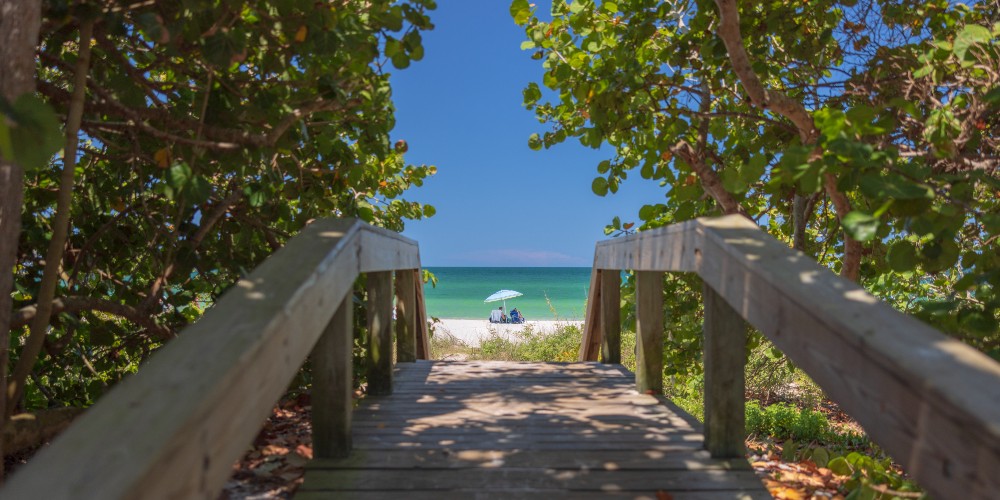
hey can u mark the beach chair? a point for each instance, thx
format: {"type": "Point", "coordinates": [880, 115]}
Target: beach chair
{"type": "Point", "coordinates": [496, 316]}
{"type": "Point", "coordinates": [515, 317]}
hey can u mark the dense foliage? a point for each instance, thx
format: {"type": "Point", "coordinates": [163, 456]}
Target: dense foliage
{"type": "Point", "coordinates": [212, 131]}
{"type": "Point", "coordinates": [864, 133]}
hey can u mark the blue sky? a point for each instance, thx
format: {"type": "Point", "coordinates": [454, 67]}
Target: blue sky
{"type": "Point", "coordinates": [498, 203]}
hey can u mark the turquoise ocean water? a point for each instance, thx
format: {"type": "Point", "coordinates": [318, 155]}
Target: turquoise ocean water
{"type": "Point", "coordinates": [460, 291]}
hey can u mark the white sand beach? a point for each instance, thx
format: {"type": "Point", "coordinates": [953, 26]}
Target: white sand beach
{"type": "Point", "coordinates": [470, 331]}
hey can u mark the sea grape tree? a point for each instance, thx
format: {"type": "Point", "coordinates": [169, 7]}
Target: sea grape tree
{"type": "Point", "coordinates": [210, 132]}
{"type": "Point", "coordinates": [862, 132]}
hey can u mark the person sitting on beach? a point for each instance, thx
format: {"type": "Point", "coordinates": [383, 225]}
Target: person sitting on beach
{"type": "Point", "coordinates": [515, 316]}
{"type": "Point", "coordinates": [497, 316]}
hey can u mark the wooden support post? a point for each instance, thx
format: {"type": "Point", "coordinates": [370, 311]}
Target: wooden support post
{"type": "Point", "coordinates": [725, 359]}
{"type": "Point", "coordinates": [611, 343]}
{"type": "Point", "coordinates": [406, 316]}
{"type": "Point", "coordinates": [332, 383]}
{"type": "Point", "coordinates": [649, 330]}
{"type": "Point", "coordinates": [590, 345]}
{"type": "Point", "coordinates": [380, 333]}
{"type": "Point", "coordinates": [423, 336]}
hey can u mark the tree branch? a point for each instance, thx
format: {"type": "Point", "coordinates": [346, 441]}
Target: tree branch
{"type": "Point", "coordinates": [75, 304]}
{"type": "Point", "coordinates": [794, 111]}
{"type": "Point", "coordinates": [60, 224]}
{"type": "Point", "coordinates": [709, 179]}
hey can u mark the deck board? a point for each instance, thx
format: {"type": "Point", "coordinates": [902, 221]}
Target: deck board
{"type": "Point", "coordinates": [485, 429]}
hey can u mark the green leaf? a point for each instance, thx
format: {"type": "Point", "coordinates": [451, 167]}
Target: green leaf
{"type": "Point", "coordinates": [534, 142]}
{"type": "Point", "coordinates": [599, 186]}
{"type": "Point", "coordinates": [531, 94]}
{"type": "Point", "coordinates": [400, 61]}
{"type": "Point", "coordinates": [429, 211]}
{"type": "Point", "coordinates": [392, 47]}
{"type": "Point", "coordinates": [941, 129]}
{"type": "Point", "coordinates": [178, 176]}
{"type": "Point", "coordinates": [860, 226]}
{"type": "Point", "coordinates": [840, 467]}
{"type": "Point", "coordinates": [256, 199]}
{"type": "Point", "coordinates": [35, 135]}
{"type": "Point", "coordinates": [902, 256]}
{"type": "Point", "coordinates": [993, 96]}
{"type": "Point", "coordinates": [940, 255]}
{"type": "Point", "coordinates": [821, 457]}
{"type": "Point", "coordinates": [753, 170]}
{"type": "Point", "coordinates": [199, 189]}
{"type": "Point", "coordinates": [971, 35]}
{"type": "Point", "coordinates": [861, 114]}
{"type": "Point", "coordinates": [520, 10]}
{"type": "Point", "coordinates": [923, 71]}
{"type": "Point", "coordinates": [732, 181]}
{"type": "Point", "coordinates": [647, 212]}
{"type": "Point", "coordinates": [366, 214]}
{"type": "Point", "coordinates": [991, 222]}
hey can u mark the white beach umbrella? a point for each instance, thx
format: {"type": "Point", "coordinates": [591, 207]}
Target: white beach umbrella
{"type": "Point", "coordinates": [503, 295]}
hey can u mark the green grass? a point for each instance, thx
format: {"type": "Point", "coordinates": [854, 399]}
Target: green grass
{"type": "Point", "coordinates": [528, 344]}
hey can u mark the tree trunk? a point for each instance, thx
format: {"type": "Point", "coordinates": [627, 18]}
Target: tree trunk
{"type": "Point", "coordinates": [60, 225]}
{"type": "Point", "coordinates": [20, 21]}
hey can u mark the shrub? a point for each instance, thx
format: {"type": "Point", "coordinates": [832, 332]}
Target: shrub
{"type": "Point", "coordinates": [780, 419]}
{"type": "Point", "coordinates": [810, 425]}
{"type": "Point", "coordinates": [783, 421]}
{"type": "Point", "coordinates": [756, 422]}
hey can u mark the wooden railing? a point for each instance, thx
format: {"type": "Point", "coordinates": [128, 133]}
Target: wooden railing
{"type": "Point", "coordinates": [932, 402]}
{"type": "Point", "coordinates": [174, 429]}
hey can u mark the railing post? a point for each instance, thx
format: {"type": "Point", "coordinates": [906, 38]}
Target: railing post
{"type": "Point", "coordinates": [380, 333]}
{"type": "Point", "coordinates": [332, 380]}
{"type": "Point", "coordinates": [611, 342]}
{"type": "Point", "coordinates": [406, 316]}
{"type": "Point", "coordinates": [725, 359]}
{"type": "Point", "coordinates": [649, 329]}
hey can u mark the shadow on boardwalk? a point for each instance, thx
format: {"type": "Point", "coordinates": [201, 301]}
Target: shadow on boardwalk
{"type": "Point", "coordinates": [524, 430]}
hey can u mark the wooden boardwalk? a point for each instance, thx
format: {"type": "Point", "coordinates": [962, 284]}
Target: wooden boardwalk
{"type": "Point", "coordinates": [524, 430]}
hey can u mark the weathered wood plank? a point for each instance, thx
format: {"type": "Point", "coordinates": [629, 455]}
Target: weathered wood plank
{"type": "Point", "coordinates": [560, 436]}
{"type": "Point", "coordinates": [611, 323]}
{"type": "Point", "coordinates": [734, 494]}
{"type": "Point", "coordinates": [649, 329]}
{"type": "Point", "coordinates": [174, 429]}
{"type": "Point", "coordinates": [610, 460]}
{"type": "Point", "coordinates": [332, 372]}
{"type": "Point", "coordinates": [505, 478]}
{"type": "Point", "coordinates": [725, 359]}
{"type": "Point", "coordinates": [669, 248]}
{"type": "Point", "coordinates": [932, 402]}
{"type": "Point", "coordinates": [380, 333]}
{"type": "Point", "coordinates": [384, 250]}
{"type": "Point", "coordinates": [406, 316]}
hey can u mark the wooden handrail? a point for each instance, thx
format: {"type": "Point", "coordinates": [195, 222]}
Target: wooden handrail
{"type": "Point", "coordinates": [930, 401]}
{"type": "Point", "coordinates": [174, 429]}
